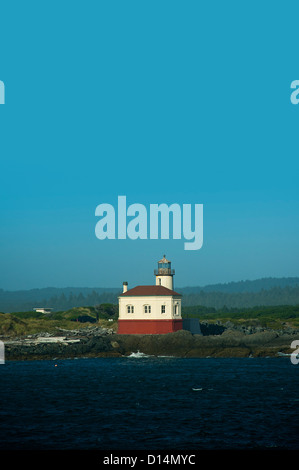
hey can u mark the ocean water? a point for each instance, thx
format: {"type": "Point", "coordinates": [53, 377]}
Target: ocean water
{"type": "Point", "coordinates": [149, 403]}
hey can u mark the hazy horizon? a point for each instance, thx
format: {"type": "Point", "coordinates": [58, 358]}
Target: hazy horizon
{"type": "Point", "coordinates": [178, 287]}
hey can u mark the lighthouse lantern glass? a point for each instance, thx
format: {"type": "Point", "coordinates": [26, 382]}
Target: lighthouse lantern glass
{"type": "Point", "coordinates": [164, 268]}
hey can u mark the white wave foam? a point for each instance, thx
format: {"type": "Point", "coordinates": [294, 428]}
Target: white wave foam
{"type": "Point", "coordinates": [138, 355]}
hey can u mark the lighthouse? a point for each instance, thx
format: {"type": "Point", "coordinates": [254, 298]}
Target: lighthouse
{"type": "Point", "coordinates": [151, 309]}
{"type": "Point", "coordinates": [164, 274]}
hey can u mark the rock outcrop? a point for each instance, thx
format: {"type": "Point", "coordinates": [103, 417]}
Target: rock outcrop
{"type": "Point", "coordinates": [94, 341]}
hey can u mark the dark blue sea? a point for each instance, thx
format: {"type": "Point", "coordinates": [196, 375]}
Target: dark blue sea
{"type": "Point", "coordinates": [149, 403]}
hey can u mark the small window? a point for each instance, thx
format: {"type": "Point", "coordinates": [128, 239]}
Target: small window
{"type": "Point", "coordinates": [162, 308]}
{"type": "Point", "coordinates": [130, 308]}
{"type": "Point", "coordinates": [147, 309]}
{"type": "Point", "coordinates": [159, 281]}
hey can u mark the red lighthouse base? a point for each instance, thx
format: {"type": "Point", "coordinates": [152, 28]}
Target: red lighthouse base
{"type": "Point", "coordinates": [148, 327]}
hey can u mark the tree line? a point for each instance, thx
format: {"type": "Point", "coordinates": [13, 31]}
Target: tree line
{"type": "Point", "coordinates": [212, 299]}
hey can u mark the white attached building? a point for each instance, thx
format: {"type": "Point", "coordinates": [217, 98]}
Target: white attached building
{"type": "Point", "coordinates": [151, 309]}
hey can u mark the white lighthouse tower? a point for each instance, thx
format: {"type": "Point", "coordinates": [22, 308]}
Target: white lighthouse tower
{"type": "Point", "coordinates": [164, 274]}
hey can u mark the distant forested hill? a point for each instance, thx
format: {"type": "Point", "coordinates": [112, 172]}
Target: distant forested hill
{"type": "Point", "coordinates": [219, 300]}
{"type": "Point", "coordinates": [260, 292]}
{"type": "Point", "coordinates": [56, 298]}
{"type": "Point", "coordinates": [246, 286]}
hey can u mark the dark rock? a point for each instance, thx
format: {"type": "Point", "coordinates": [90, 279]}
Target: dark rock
{"type": "Point", "coordinates": [211, 328]}
{"type": "Point", "coordinates": [85, 319]}
{"type": "Point", "coordinates": [97, 342]}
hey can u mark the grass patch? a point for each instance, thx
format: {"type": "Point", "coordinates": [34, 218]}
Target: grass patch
{"type": "Point", "coordinates": [13, 326]}
{"type": "Point", "coordinates": [20, 324]}
{"type": "Point", "coordinates": [276, 317]}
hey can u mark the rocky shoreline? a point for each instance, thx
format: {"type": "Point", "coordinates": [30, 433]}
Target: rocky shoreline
{"type": "Point", "coordinates": [217, 340]}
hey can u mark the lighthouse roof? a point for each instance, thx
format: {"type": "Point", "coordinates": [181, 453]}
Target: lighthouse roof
{"type": "Point", "coordinates": [149, 290]}
{"type": "Point", "coordinates": [164, 260]}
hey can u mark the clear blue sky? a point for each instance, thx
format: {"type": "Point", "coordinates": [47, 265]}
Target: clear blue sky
{"type": "Point", "coordinates": [164, 102]}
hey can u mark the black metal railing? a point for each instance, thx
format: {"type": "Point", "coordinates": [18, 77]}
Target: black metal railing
{"type": "Point", "coordinates": [164, 272]}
